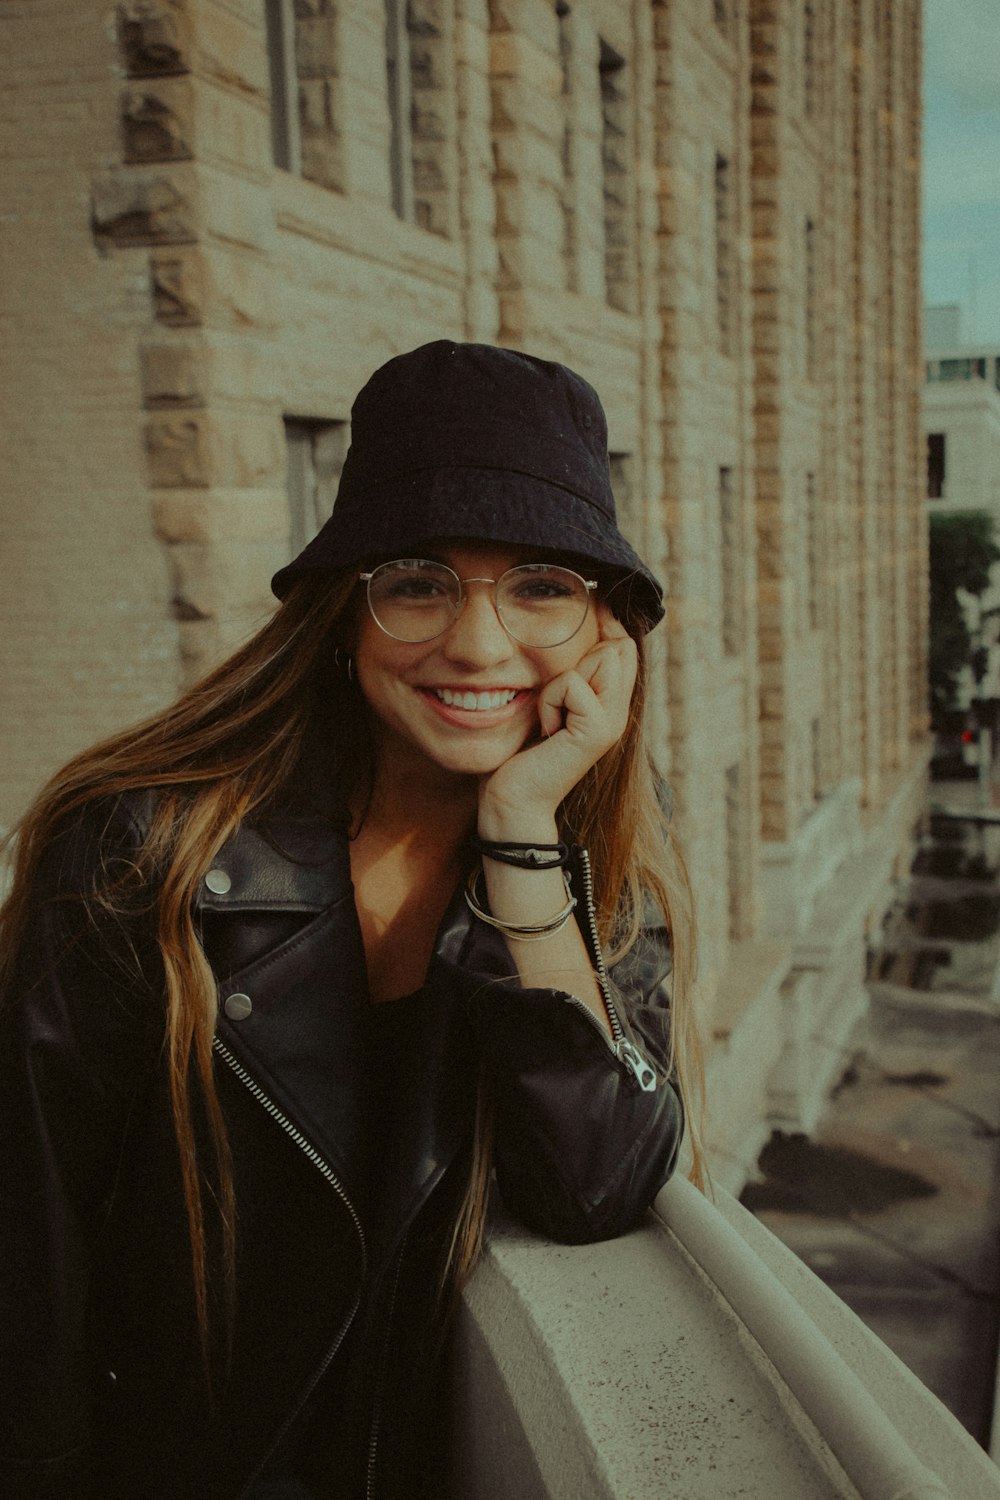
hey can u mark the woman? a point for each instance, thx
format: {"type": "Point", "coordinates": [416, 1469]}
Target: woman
{"type": "Point", "coordinates": [290, 968]}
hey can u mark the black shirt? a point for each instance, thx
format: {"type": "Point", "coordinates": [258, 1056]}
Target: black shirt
{"type": "Point", "coordinates": [323, 1456]}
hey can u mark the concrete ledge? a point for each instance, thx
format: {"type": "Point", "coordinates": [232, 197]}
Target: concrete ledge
{"type": "Point", "coordinates": [694, 1358]}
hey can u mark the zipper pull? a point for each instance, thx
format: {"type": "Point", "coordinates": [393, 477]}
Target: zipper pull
{"type": "Point", "coordinates": [628, 1053]}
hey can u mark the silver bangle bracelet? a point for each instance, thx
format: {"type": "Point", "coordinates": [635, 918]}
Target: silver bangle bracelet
{"type": "Point", "coordinates": [519, 932]}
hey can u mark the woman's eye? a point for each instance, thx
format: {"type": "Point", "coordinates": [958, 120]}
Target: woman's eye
{"type": "Point", "coordinates": [539, 590]}
{"type": "Point", "coordinates": [419, 589]}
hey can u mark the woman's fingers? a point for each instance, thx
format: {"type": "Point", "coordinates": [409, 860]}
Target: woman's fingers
{"type": "Point", "coordinates": [608, 668]}
{"type": "Point", "coordinates": [566, 701]}
{"type": "Point", "coordinates": [611, 666]}
{"type": "Point", "coordinates": [550, 715]}
{"type": "Point", "coordinates": [591, 702]}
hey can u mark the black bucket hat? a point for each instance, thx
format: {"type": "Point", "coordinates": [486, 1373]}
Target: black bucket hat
{"type": "Point", "coordinates": [467, 440]}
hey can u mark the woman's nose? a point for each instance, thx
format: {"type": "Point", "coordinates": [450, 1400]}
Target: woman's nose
{"type": "Point", "coordinates": [476, 635]}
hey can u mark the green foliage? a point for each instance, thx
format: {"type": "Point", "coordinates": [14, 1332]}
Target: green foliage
{"type": "Point", "coordinates": [962, 551]}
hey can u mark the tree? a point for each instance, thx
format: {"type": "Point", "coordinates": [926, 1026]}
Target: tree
{"type": "Point", "coordinates": [962, 552]}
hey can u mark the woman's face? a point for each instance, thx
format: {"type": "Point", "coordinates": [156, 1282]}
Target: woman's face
{"type": "Point", "coordinates": [406, 684]}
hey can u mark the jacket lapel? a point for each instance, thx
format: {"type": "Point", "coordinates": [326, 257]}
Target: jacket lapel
{"type": "Point", "coordinates": [292, 1008]}
{"type": "Point", "coordinates": [294, 1011]}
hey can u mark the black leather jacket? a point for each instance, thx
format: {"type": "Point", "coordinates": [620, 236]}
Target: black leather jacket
{"type": "Point", "coordinates": [102, 1386]}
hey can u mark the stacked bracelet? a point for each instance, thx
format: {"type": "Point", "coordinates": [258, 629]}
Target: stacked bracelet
{"type": "Point", "coordinates": [524, 856]}
{"type": "Point", "coordinates": [519, 932]}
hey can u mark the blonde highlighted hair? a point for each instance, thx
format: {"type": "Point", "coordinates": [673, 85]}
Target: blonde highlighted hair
{"type": "Point", "coordinates": [238, 741]}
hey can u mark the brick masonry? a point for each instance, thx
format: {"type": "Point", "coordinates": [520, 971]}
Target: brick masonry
{"type": "Point", "coordinates": [711, 212]}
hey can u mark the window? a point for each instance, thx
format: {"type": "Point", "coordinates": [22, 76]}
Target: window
{"type": "Point", "coordinates": [285, 143]}
{"type": "Point", "coordinates": [809, 58]}
{"type": "Point", "coordinates": [724, 265]}
{"type": "Point", "coordinates": [397, 64]}
{"type": "Point", "coordinates": [304, 65]}
{"type": "Point", "coordinates": [961, 369]}
{"type": "Point", "coordinates": [316, 451]}
{"type": "Point", "coordinates": [616, 163]}
{"type": "Point", "coordinates": [810, 298]}
{"type": "Point", "coordinates": [730, 553]}
{"type": "Point", "coordinates": [737, 853]}
{"type": "Point", "coordinates": [935, 465]}
{"type": "Point", "coordinates": [419, 76]}
{"type": "Point", "coordinates": [812, 552]}
{"type": "Point", "coordinates": [725, 14]}
{"type": "Point", "coordinates": [568, 192]}
{"type": "Point", "coordinates": [623, 489]}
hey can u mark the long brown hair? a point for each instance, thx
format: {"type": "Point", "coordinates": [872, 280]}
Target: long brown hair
{"type": "Point", "coordinates": [235, 742]}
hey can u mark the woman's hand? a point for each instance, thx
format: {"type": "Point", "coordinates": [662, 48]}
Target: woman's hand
{"type": "Point", "coordinates": [582, 713]}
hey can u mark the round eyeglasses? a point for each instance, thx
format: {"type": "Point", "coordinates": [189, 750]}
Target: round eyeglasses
{"type": "Point", "coordinates": [537, 604]}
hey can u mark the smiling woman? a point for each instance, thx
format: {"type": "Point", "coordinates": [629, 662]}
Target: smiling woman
{"type": "Point", "coordinates": [382, 908]}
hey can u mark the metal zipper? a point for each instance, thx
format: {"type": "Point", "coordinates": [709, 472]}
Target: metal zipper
{"type": "Point", "coordinates": [310, 1152]}
{"type": "Point", "coordinates": [380, 1388]}
{"type": "Point", "coordinates": [625, 1051]}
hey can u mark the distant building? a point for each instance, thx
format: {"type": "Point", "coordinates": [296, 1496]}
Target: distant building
{"type": "Point", "coordinates": [961, 420]}
{"type": "Point", "coordinates": [962, 428]}
{"type": "Point", "coordinates": [221, 218]}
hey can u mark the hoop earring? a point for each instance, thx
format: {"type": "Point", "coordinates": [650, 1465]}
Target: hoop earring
{"type": "Point", "coordinates": [344, 664]}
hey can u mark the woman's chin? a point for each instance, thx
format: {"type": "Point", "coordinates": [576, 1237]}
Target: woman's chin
{"type": "Point", "coordinates": [479, 762]}
{"type": "Point", "coordinates": [469, 748]}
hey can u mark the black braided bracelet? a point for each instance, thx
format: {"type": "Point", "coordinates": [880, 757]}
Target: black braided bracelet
{"type": "Point", "coordinates": [524, 856]}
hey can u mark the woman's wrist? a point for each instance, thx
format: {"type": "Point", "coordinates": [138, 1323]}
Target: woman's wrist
{"type": "Point", "coordinates": [500, 823]}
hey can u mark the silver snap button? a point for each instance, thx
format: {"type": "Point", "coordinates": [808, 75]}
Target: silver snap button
{"type": "Point", "coordinates": [238, 1007]}
{"type": "Point", "coordinates": [218, 882]}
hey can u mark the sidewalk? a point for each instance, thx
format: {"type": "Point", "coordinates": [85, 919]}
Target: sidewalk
{"type": "Point", "coordinates": [895, 1200]}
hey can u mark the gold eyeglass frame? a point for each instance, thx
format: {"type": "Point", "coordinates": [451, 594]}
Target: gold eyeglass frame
{"type": "Point", "coordinates": [366, 578]}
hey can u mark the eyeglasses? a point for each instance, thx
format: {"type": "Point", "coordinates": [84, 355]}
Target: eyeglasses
{"type": "Point", "coordinates": [537, 604]}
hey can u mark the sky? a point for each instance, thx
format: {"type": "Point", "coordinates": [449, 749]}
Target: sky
{"type": "Point", "coordinates": [961, 249]}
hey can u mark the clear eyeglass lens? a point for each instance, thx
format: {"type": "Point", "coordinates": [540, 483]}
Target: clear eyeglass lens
{"type": "Point", "coordinates": [414, 600]}
{"type": "Point", "coordinates": [538, 604]}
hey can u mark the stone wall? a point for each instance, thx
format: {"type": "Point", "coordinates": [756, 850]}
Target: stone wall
{"type": "Point", "coordinates": [88, 641]}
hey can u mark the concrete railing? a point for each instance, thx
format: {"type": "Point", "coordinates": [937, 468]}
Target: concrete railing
{"type": "Point", "coordinates": [696, 1358]}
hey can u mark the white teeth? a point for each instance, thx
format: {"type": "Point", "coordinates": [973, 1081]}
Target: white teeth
{"type": "Point", "coordinates": [476, 700]}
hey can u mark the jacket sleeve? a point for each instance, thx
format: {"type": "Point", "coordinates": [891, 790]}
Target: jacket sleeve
{"type": "Point", "coordinates": [80, 1031]}
{"type": "Point", "coordinates": [580, 1148]}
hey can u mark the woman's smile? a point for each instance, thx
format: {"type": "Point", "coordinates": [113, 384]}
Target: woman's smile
{"type": "Point", "coordinates": [472, 707]}
{"type": "Point", "coordinates": [473, 698]}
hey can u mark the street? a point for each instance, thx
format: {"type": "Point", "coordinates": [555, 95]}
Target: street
{"type": "Point", "coordinates": [893, 1201]}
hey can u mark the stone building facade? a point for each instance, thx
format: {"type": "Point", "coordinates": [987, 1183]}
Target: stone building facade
{"type": "Point", "coordinates": [222, 215]}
